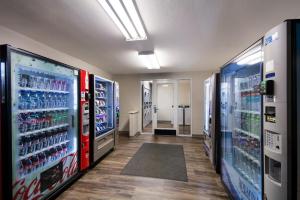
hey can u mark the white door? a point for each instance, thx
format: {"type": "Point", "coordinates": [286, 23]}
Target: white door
{"type": "Point", "coordinates": [164, 104]}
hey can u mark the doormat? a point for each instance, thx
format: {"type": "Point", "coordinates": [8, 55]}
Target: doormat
{"type": "Point", "coordinates": [164, 161]}
{"type": "Point", "coordinates": [165, 132]}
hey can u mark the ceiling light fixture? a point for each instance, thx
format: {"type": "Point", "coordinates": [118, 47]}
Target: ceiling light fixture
{"type": "Point", "coordinates": [149, 59]}
{"type": "Point", "coordinates": [125, 15]}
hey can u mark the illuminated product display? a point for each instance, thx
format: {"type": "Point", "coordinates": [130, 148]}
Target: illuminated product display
{"type": "Point", "coordinates": [40, 124]}
{"type": "Point", "coordinates": [101, 116]}
{"type": "Point", "coordinates": [241, 119]}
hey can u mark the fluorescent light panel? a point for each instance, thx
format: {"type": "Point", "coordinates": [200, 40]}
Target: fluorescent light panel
{"type": "Point", "coordinates": [135, 18]}
{"type": "Point", "coordinates": [251, 57]}
{"type": "Point", "coordinates": [112, 15]}
{"type": "Point", "coordinates": [125, 16]}
{"type": "Point", "coordinates": [150, 60]}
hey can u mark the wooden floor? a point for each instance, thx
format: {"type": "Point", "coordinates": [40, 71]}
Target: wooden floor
{"type": "Point", "coordinates": [105, 181]}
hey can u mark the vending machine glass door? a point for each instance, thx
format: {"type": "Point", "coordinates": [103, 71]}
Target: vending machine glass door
{"type": "Point", "coordinates": [44, 108]}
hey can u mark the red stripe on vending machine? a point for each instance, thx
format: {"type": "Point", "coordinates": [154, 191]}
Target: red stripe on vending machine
{"type": "Point", "coordinates": [84, 120]}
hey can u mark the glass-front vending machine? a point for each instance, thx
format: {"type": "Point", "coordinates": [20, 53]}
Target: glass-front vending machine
{"type": "Point", "coordinates": [102, 117]}
{"type": "Point", "coordinates": [39, 101]}
{"type": "Point", "coordinates": [280, 87]}
{"type": "Point", "coordinates": [241, 130]}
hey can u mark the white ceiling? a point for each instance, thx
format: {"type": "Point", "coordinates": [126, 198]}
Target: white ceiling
{"type": "Point", "coordinates": [187, 35]}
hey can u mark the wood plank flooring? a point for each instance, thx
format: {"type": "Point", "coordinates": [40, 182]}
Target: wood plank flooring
{"type": "Point", "coordinates": [105, 182]}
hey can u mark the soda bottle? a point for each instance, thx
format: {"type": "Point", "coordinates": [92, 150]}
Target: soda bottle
{"type": "Point", "coordinates": [22, 146]}
{"type": "Point", "coordinates": [42, 159]}
{"type": "Point", "coordinates": [59, 151]}
{"type": "Point", "coordinates": [20, 168]}
{"type": "Point", "coordinates": [48, 156]}
{"type": "Point", "coordinates": [53, 154]}
{"type": "Point", "coordinates": [43, 139]}
{"type": "Point", "coordinates": [49, 138]}
{"type": "Point", "coordinates": [35, 162]}
{"type": "Point", "coordinates": [65, 149]}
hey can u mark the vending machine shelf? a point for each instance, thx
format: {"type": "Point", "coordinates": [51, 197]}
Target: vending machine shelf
{"type": "Point", "coordinates": [248, 111]}
{"type": "Point", "coordinates": [42, 90]}
{"type": "Point", "coordinates": [43, 110]}
{"type": "Point", "coordinates": [44, 149]}
{"type": "Point", "coordinates": [44, 129]}
{"type": "Point", "coordinates": [247, 133]}
{"type": "Point", "coordinates": [250, 157]}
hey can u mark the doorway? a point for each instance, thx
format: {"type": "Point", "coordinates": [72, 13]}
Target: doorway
{"type": "Point", "coordinates": [166, 107]}
{"type": "Point", "coordinates": [164, 103]}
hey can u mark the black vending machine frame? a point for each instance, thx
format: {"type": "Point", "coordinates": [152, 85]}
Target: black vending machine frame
{"type": "Point", "coordinates": [5, 52]}
{"type": "Point", "coordinates": [217, 137]}
{"type": "Point", "coordinates": [92, 118]}
{"type": "Point", "coordinates": [292, 107]}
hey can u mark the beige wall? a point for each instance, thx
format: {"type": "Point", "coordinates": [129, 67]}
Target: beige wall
{"type": "Point", "coordinates": [130, 97]}
{"type": "Point", "coordinates": [184, 92]}
{"type": "Point", "coordinates": [18, 40]}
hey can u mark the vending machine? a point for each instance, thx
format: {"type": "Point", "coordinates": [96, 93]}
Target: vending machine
{"type": "Point", "coordinates": [117, 110]}
{"type": "Point", "coordinates": [211, 120]}
{"type": "Point", "coordinates": [281, 121]}
{"type": "Point", "coordinates": [84, 120]}
{"type": "Point", "coordinates": [241, 120]}
{"type": "Point", "coordinates": [39, 130]}
{"type": "Point", "coordinates": [102, 127]}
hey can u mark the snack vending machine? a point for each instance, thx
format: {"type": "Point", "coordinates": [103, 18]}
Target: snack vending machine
{"type": "Point", "coordinates": [102, 127]}
{"type": "Point", "coordinates": [211, 119]}
{"type": "Point", "coordinates": [241, 120]}
{"type": "Point", "coordinates": [84, 120]}
{"type": "Point", "coordinates": [280, 87]}
{"type": "Point", "coordinates": [117, 110]}
{"type": "Point", "coordinates": [39, 130]}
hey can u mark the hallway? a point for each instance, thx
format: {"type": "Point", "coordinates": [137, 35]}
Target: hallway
{"type": "Point", "coordinates": [105, 181]}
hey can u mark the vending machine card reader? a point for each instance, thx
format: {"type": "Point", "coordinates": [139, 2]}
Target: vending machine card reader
{"type": "Point", "coordinates": [84, 120]}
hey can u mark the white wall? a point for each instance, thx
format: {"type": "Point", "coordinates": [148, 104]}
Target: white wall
{"type": "Point", "coordinates": [130, 98]}
{"type": "Point", "coordinates": [184, 92]}
{"type": "Point", "coordinates": [18, 40]}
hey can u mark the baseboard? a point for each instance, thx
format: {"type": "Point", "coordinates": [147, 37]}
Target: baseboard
{"type": "Point", "coordinates": [198, 136]}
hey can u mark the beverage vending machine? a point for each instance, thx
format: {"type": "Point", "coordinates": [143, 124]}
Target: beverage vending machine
{"type": "Point", "coordinates": [117, 110]}
{"type": "Point", "coordinates": [280, 87]}
{"type": "Point", "coordinates": [211, 119]}
{"type": "Point", "coordinates": [84, 120]}
{"type": "Point", "coordinates": [39, 130]}
{"type": "Point", "coordinates": [102, 117]}
{"type": "Point", "coordinates": [241, 120]}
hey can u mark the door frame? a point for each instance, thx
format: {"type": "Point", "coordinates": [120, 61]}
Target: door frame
{"type": "Point", "coordinates": [155, 84]}
{"type": "Point", "coordinates": [175, 80]}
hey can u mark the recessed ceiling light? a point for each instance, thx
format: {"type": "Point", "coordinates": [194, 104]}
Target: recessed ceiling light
{"type": "Point", "coordinates": [125, 15]}
{"type": "Point", "coordinates": [149, 59]}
